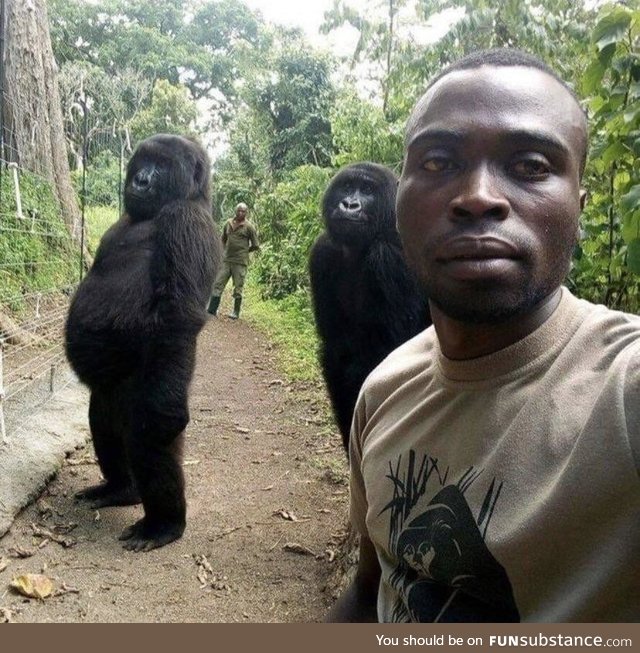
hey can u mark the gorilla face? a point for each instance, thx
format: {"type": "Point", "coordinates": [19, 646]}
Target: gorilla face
{"type": "Point", "coordinates": [360, 203]}
{"type": "Point", "coordinates": [164, 168]}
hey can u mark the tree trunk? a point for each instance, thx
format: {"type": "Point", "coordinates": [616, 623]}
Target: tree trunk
{"type": "Point", "coordinates": [33, 114]}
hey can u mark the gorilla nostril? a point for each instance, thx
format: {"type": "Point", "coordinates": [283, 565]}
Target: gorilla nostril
{"type": "Point", "coordinates": [141, 179]}
{"type": "Point", "coordinates": [351, 205]}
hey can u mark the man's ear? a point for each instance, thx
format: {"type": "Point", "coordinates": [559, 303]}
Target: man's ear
{"type": "Point", "coordinates": [583, 198]}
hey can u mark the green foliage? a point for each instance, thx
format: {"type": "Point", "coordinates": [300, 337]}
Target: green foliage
{"type": "Point", "coordinates": [200, 42]}
{"type": "Point", "coordinates": [361, 133]}
{"type": "Point", "coordinates": [102, 178]}
{"type": "Point", "coordinates": [291, 99]}
{"type": "Point", "coordinates": [286, 125]}
{"type": "Point", "coordinates": [289, 222]}
{"type": "Point", "coordinates": [36, 250]}
{"type": "Point", "coordinates": [171, 111]}
{"type": "Point", "coordinates": [290, 326]}
{"type": "Point", "coordinates": [608, 263]}
{"type": "Point", "coordinates": [97, 220]}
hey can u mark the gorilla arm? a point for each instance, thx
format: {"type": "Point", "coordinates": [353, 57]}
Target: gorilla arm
{"type": "Point", "coordinates": [358, 602]}
{"type": "Point", "coordinates": [406, 309]}
{"type": "Point", "coordinates": [325, 264]}
{"type": "Point", "coordinates": [186, 258]}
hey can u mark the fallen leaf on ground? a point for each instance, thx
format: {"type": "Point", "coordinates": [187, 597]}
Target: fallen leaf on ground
{"type": "Point", "coordinates": [66, 542]}
{"type": "Point", "coordinates": [44, 508]}
{"type": "Point", "coordinates": [204, 569]}
{"type": "Point", "coordinates": [219, 583]}
{"type": "Point", "coordinates": [20, 552]}
{"type": "Point", "coordinates": [35, 586]}
{"type": "Point", "coordinates": [65, 589]}
{"type": "Point", "coordinates": [294, 547]}
{"type": "Point", "coordinates": [241, 429]}
{"type": "Point", "coordinates": [4, 563]}
{"type": "Point", "coordinates": [286, 514]}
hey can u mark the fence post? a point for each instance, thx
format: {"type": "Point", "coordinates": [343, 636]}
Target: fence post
{"type": "Point", "coordinates": [3, 428]}
{"type": "Point", "coordinates": [83, 197]}
{"type": "Point", "coordinates": [1, 94]}
{"type": "Point", "coordinates": [16, 184]}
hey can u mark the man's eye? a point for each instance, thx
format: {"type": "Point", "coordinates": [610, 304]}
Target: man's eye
{"type": "Point", "coordinates": [438, 164]}
{"type": "Point", "coordinates": [532, 168]}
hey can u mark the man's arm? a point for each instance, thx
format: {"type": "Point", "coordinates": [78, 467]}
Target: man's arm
{"type": "Point", "coordinates": [253, 239]}
{"type": "Point", "coordinates": [358, 602]}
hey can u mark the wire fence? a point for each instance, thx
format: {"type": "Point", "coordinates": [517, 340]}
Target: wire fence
{"type": "Point", "coordinates": [41, 263]}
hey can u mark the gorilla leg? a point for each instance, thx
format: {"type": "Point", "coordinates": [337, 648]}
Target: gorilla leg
{"type": "Point", "coordinates": [109, 420]}
{"type": "Point", "coordinates": [155, 447]}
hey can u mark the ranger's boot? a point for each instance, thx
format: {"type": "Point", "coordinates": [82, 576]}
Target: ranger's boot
{"type": "Point", "coordinates": [213, 305]}
{"type": "Point", "coordinates": [237, 302]}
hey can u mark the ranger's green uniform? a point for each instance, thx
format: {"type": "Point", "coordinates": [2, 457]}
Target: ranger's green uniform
{"type": "Point", "coordinates": [238, 239]}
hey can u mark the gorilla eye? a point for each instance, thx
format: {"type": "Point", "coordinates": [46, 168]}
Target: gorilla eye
{"type": "Point", "coordinates": [438, 164]}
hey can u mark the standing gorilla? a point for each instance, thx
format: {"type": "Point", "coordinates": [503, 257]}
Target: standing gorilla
{"type": "Point", "coordinates": [365, 300]}
{"type": "Point", "coordinates": [131, 334]}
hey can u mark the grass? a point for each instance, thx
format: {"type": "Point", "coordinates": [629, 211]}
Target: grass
{"type": "Point", "coordinates": [98, 219]}
{"type": "Point", "coordinates": [288, 323]}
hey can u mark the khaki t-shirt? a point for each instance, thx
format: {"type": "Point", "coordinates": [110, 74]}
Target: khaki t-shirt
{"type": "Point", "coordinates": [506, 487]}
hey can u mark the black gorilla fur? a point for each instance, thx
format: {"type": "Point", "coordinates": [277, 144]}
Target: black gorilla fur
{"type": "Point", "coordinates": [132, 328]}
{"type": "Point", "coordinates": [365, 299]}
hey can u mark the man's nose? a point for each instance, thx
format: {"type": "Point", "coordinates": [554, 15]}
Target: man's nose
{"type": "Point", "coordinates": [479, 196]}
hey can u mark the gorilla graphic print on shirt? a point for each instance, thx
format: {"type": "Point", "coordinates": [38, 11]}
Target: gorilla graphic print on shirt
{"type": "Point", "coordinates": [445, 571]}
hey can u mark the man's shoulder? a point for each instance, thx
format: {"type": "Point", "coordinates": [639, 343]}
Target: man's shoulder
{"type": "Point", "coordinates": [609, 330]}
{"type": "Point", "coordinates": [404, 362]}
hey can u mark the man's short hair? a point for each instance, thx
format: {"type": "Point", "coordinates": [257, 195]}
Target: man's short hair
{"type": "Point", "coordinates": [511, 57]}
{"type": "Point", "coordinates": [242, 205]}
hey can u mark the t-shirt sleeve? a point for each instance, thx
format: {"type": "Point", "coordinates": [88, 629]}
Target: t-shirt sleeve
{"type": "Point", "coordinates": [357, 494]}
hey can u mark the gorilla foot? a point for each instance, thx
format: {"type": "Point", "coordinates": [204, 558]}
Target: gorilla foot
{"type": "Point", "coordinates": [105, 494]}
{"type": "Point", "coordinates": [141, 537]}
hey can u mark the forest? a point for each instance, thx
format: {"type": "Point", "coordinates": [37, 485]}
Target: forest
{"type": "Point", "coordinates": [280, 116]}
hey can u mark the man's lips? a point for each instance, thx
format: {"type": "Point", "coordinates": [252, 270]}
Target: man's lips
{"type": "Point", "coordinates": [476, 248]}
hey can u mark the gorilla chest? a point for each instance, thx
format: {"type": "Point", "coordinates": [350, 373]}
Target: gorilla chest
{"type": "Point", "coordinates": [119, 287]}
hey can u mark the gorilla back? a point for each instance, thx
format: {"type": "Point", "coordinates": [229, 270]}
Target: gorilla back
{"type": "Point", "coordinates": [366, 301]}
{"type": "Point", "coordinates": [132, 327]}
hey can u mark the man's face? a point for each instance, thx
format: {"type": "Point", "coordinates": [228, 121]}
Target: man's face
{"type": "Point", "coordinates": [241, 214]}
{"type": "Point", "coordinates": [489, 196]}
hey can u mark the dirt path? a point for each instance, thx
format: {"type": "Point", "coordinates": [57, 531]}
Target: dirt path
{"type": "Point", "coordinates": [263, 473]}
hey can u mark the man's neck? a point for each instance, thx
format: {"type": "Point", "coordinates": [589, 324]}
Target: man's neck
{"type": "Point", "coordinates": [463, 341]}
